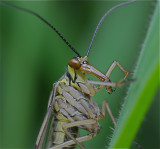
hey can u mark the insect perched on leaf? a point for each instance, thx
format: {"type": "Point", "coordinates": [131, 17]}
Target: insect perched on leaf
{"type": "Point", "coordinates": [71, 105]}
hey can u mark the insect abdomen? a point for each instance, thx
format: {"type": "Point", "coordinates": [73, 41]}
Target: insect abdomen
{"type": "Point", "coordinates": [58, 134]}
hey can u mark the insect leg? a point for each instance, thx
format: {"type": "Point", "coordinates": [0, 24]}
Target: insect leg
{"type": "Point", "coordinates": [77, 123]}
{"type": "Point", "coordinates": [42, 132]}
{"type": "Point", "coordinates": [108, 73]}
{"type": "Point", "coordinates": [113, 65]}
{"type": "Point", "coordinates": [105, 107]}
{"type": "Point", "coordinates": [71, 142]}
{"type": "Point", "coordinates": [112, 84]}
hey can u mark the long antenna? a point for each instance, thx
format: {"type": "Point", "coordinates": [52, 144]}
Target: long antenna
{"type": "Point", "coordinates": [102, 19]}
{"type": "Point", "coordinates": [44, 20]}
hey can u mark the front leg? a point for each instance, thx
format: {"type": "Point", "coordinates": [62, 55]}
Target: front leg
{"type": "Point", "coordinates": [113, 65]}
{"type": "Point", "coordinates": [110, 84]}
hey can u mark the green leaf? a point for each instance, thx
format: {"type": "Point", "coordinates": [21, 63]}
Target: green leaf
{"type": "Point", "coordinates": [141, 93]}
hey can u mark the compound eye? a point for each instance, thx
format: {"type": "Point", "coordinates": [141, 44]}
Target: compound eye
{"type": "Point", "coordinates": [74, 63]}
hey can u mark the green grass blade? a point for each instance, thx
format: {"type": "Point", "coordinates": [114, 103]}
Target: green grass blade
{"type": "Point", "coordinates": [141, 93]}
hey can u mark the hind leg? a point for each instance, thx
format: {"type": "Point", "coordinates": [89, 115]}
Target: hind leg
{"type": "Point", "coordinates": [76, 140]}
{"type": "Point", "coordinates": [77, 123]}
{"type": "Point", "coordinates": [105, 107]}
{"type": "Point", "coordinates": [71, 142]}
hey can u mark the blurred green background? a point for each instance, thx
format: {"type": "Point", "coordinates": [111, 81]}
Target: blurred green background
{"type": "Point", "coordinates": [33, 57]}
